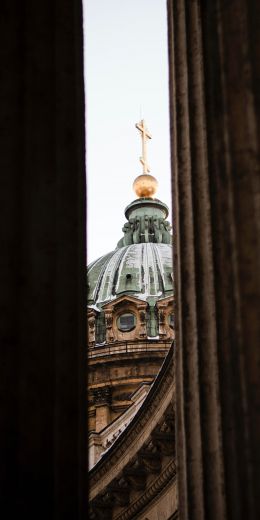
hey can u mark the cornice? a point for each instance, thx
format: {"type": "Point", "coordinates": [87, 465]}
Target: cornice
{"type": "Point", "coordinates": [165, 301]}
{"type": "Point", "coordinates": [168, 474]}
{"type": "Point", "coordinates": [125, 298]}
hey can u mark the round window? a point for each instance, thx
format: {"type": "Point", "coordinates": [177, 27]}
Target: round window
{"type": "Point", "coordinates": [126, 322]}
{"type": "Point", "coordinates": [171, 320]}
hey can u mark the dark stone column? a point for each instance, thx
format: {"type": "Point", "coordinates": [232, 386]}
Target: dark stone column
{"type": "Point", "coordinates": [214, 103]}
{"type": "Point", "coordinates": [42, 288]}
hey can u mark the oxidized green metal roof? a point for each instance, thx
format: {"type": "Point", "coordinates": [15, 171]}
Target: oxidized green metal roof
{"type": "Point", "coordinates": [142, 270]}
{"type": "Point", "coordinates": [142, 263]}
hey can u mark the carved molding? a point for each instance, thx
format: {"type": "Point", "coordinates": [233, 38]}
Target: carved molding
{"type": "Point", "coordinates": [140, 428]}
{"type": "Point", "coordinates": [102, 395]}
{"type": "Point", "coordinates": [91, 322]}
{"type": "Point", "coordinates": [109, 326]}
{"type": "Point", "coordinates": [156, 487]}
{"type": "Point", "coordinates": [165, 308]}
{"type": "Point", "coordinates": [143, 229]}
{"type": "Point", "coordinates": [112, 311]}
{"type": "Point", "coordinates": [142, 319]}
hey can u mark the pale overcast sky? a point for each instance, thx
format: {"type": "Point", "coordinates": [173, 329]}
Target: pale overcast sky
{"type": "Point", "coordinates": [127, 77]}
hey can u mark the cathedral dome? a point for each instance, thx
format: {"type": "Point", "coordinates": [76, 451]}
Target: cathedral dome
{"type": "Point", "coordinates": [129, 311]}
{"type": "Point", "coordinates": [143, 270]}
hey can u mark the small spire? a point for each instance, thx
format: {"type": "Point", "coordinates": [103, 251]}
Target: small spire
{"type": "Point", "coordinates": [145, 135]}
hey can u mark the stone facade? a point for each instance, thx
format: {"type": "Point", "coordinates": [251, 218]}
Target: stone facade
{"type": "Point", "coordinates": [113, 310]}
{"type": "Point", "coordinates": [125, 359]}
{"type": "Point", "coordinates": [130, 315]}
{"type": "Point", "coordinates": [136, 477]}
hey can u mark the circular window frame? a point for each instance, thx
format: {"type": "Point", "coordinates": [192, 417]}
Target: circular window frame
{"type": "Point", "coordinates": [124, 331]}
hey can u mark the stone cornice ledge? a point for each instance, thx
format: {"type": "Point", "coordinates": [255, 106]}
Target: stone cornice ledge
{"type": "Point", "coordinates": [137, 432]}
{"type": "Point", "coordinates": [155, 488]}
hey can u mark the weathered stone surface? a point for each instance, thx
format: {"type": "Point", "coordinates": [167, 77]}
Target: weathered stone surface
{"type": "Point", "coordinates": [42, 296]}
{"type": "Point", "coordinates": [215, 163]}
{"type": "Point", "coordinates": [130, 312]}
{"type": "Point", "coordinates": [136, 462]}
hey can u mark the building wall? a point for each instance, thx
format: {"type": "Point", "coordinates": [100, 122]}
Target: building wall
{"type": "Point", "coordinates": [126, 359]}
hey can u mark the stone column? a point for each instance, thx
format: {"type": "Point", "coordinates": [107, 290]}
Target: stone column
{"type": "Point", "coordinates": [102, 401]}
{"type": "Point", "coordinates": [214, 101]}
{"type": "Point", "coordinates": [142, 317]}
{"type": "Point", "coordinates": [109, 326]}
{"type": "Point", "coordinates": [162, 329]}
{"type": "Point", "coordinates": [91, 317]}
{"type": "Point", "coordinates": [42, 273]}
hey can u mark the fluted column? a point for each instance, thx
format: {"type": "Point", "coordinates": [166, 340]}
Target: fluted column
{"type": "Point", "coordinates": [215, 164]}
{"type": "Point", "coordinates": [42, 286]}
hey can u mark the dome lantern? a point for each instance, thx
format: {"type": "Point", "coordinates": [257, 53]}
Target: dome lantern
{"type": "Point", "coordinates": [146, 215]}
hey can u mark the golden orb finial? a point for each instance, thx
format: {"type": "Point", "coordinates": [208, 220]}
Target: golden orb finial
{"type": "Point", "coordinates": [145, 185]}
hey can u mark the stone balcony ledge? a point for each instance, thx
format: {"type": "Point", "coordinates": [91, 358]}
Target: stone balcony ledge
{"type": "Point", "coordinates": [127, 347]}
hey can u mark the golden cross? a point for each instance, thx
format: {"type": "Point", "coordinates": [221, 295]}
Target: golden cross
{"type": "Point", "coordinates": [145, 135]}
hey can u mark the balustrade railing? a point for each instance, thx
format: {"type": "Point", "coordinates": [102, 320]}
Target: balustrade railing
{"type": "Point", "coordinates": [126, 347]}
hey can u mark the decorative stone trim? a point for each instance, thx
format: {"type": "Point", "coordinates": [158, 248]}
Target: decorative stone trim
{"type": "Point", "coordinates": [149, 494]}
{"type": "Point", "coordinates": [162, 329]}
{"type": "Point", "coordinates": [107, 437]}
{"type": "Point", "coordinates": [118, 306]}
{"type": "Point", "coordinates": [165, 308]}
{"type": "Point", "coordinates": [102, 395]}
{"type": "Point", "coordinates": [109, 327]}
{"type": "Point", "coordinates": [132, 346]}
{"type": "Point", "coordinates": [142, 320]}
{"type": "Point", "coordinates": [91, 321]}
{"type": "Point", "coordinates": [157, 401]}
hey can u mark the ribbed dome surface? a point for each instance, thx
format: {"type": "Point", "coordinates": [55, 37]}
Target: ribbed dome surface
{"type": "Point", "coordinates": [141, 270]}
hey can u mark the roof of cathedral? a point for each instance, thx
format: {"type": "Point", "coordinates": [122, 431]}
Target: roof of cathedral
{"type": "Point", "coordinates": [141, 265]}
{"type": "Point", "coordinates": [143, 270]}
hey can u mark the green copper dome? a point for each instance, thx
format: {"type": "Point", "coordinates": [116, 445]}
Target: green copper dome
{"type": "Point", "coordinates": [142, 270]}
{"type": "Point", "coordinates": [141, 265]}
